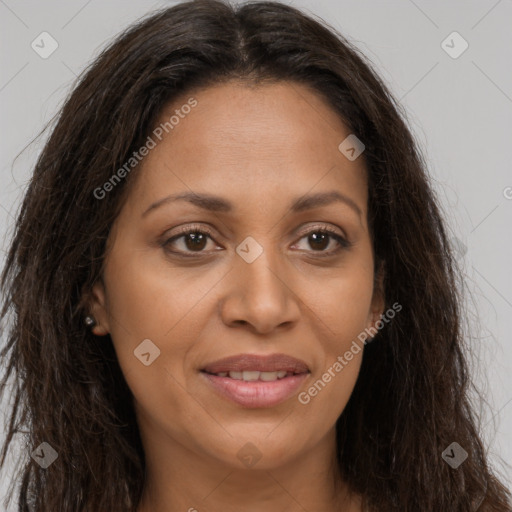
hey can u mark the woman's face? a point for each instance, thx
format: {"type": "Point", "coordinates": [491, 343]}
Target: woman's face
{"type": "Point", "coordinates": [258, 277]}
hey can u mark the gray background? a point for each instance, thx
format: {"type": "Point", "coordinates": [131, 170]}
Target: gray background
{"type": "Point", "coordinates": [460, 110]}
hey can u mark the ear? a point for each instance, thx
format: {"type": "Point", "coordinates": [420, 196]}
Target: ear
{"type": "Point", "coordinates": [98, 308]}
{"type": "Point", "coordinates": [378, 298]}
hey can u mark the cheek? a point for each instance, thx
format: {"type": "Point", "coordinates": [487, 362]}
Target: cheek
{"type": "Point", "coordinates": [164, 305]}
{"type": "Point", "coordinates": [323, 401]}
{"type": "Point", "coordinates": [342, 308]}
{"type": "Point", "coordinates": [152, 303]}
{"type": "Point", "coordinates": [342, 302]}
{"type": "Point", "coordinates": [152, 300]}
{"type": "Point", "coordinates": [343, 317]}
{"type": "Point", "coordinates": [141, 306]}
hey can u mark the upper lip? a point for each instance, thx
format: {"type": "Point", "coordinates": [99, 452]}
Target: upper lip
{"type": "Point", "coordinates": [253, 362]}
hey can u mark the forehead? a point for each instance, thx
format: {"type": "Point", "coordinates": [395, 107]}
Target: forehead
{"type": "Point", "coordinates": [250, 143]}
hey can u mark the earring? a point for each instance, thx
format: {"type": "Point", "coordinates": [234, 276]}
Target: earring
{"type": "Point", "coordinates": [89, 321]}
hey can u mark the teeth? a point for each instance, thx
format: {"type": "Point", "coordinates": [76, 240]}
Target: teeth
{"type": "Point", "coordinates": [251, 376]}
{"type": "Point", "coordinates": [268, 376]}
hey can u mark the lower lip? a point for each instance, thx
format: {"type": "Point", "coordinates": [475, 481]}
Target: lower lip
{"type": "Point", "coordinates": [256, 393]}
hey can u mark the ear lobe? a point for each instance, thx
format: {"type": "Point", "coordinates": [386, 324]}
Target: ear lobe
{"type": "Point", "coordinates": [99, 309]}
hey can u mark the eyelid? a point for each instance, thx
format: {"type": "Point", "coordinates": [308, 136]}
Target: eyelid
{"type": "Point", "coordinates": [321, 227]}
{"type": "Point", "coordinates": [185, 230]}
{"type": "Point", "coordinates": [342, 240]}
{"type": "Point", "coordinates": [192, 227]}
{"type": "Point", "coordinates": [340, 237]}
{"type": "Point", "coordinates": [304, 231]}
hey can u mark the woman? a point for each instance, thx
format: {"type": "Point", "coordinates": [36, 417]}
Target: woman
{"type": "Point", "coordinates": [232, 286]}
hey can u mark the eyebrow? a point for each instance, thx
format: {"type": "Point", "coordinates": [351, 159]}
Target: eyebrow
{"type": "Point", "coordinates": [214, 203]}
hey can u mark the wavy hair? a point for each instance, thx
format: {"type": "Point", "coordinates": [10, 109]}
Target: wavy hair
{"type": "Point", "coordinates": [412, 397]}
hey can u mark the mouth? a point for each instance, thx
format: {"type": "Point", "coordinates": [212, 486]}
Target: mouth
{"type": "Point", "coordinates": [254, 375]}
{"type": "Point", "coordinates": [255, 381]}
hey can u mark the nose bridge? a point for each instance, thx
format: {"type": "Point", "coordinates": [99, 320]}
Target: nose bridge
{"type": "Point", "coordinates": [260, 295]}
{"type": "Point", "coordinates": [258, 267]}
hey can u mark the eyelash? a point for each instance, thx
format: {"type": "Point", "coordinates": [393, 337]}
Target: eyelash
{"type": "Point", "coordinates": [343, 242]}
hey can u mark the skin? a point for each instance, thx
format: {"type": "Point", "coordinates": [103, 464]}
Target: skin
{"type": "Point", "coordinates": [260, 148]}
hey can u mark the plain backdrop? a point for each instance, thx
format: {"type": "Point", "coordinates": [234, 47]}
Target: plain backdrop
{"type": "Point", "coordinates": [459, 107]}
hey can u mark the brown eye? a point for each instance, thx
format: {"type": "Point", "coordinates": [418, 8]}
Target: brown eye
{"type": "Point", "coordinates": [190, 240]}
{"type": "Point", "coordinates": [319, 240]}
{"type": "Point", "coordinates": [195, 241]}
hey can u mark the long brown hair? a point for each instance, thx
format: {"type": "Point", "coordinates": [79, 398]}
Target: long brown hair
{"type": "Point", "coordinates": [411, 401]}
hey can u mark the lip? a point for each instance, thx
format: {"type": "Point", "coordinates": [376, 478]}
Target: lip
{"type": "Point", "coordinates": [255, 362]}
{"type": "Point", "coordinates": [256, 394]}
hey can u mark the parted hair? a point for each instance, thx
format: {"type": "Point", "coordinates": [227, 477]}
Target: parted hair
{"type": "Point", "coordinates": [412, 398]}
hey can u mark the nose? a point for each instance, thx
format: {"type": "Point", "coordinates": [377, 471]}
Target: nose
{"type": "Point", "coordinates": [260, 295]}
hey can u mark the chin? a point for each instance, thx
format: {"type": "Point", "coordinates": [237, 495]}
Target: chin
{"type": "Point", "coordinates": [260, 451]}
